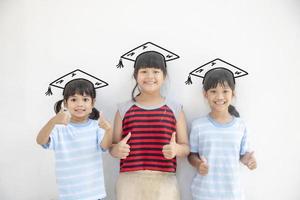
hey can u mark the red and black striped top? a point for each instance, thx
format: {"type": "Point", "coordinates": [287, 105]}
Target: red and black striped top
{"type": "Point", "coordinates": [150, 131]}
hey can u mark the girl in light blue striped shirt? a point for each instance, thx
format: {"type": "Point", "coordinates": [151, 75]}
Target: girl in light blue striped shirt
{"type": "Point", "coordinates": [77, 135]}
{"type": "Point", "coordinates": [219, 142]}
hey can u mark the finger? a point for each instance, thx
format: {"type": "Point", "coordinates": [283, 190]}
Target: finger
{"type": "Point", "coordinates": [173, 138]}
{"type": "Point", "coordinates": [126, 138]}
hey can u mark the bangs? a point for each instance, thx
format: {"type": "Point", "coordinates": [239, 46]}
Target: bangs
{"type": "Point", "coordinates": [150, 60]}
{"type": "Point", "coordinates": [81, 87]}
{"type": "Point", "coordinates": [215, 77]}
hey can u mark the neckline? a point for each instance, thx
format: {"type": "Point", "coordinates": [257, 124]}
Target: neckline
{"type": "Point", "coordinates": [81, 124]}
{"type": "Point", "coordinates": [152, 107]}
{"type": "Point", "coordinates": [221, 125]}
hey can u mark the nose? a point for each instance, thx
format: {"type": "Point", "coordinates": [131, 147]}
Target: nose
{"type": "Point", "coordinates": [220, 95]}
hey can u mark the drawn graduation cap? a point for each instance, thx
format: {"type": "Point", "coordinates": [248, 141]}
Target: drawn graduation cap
{"type": "Point", "coordinates": [213, 65]}
{"type": "Point", "coordinates": [76, 74]}
{"type": "Point", "coordinates": [149, 46]}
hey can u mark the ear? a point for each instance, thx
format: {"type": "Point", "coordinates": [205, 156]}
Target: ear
{"type": "Point", "coordinates": [204, 93]}
{"type": "Point", "coordinates": [93, 102]}
{"type": "Point", "coordinates": [233, 93]}
{"type": "Point", "coordinates": [65, 103]}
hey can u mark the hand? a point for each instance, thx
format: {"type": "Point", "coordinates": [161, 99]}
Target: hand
{"type": "Point", "coordinates": [103, 123]}
{"type": "Point", "coordinates": [122, 149]}
{"type": "Point", "coordinates": [63, 116]}
{"type": "Point", "coordinates": [203, 166]}
{"type": "Point", "coordinates": [169, 150]}
{"type": "Point", "coordinates": [249, 160]}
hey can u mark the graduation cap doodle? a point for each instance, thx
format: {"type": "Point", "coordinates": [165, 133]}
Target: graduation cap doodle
{"type": "Point", "coordinates": [148, 46]}
{"type": "Point", "coordinates": [76, 74]}
{"type": "Point", "coordinates": [213, 65]}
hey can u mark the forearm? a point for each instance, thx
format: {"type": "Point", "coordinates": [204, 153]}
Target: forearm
{"type": "Point", "coordinates": [113, 151]}
{"type": "Point", "coordinates": [106, 142]}
{"type": "Point", "coordinates": [194, 159]}
{"type": "Point", "coordinates": [43, 136]}
{"type": "Point", "coordinates": [182, 150]}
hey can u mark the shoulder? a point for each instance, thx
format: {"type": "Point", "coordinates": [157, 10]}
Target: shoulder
{"type": "Point", "coordinates": [200, 121]}
{"type": "Point", "coordinates": [240, 122]}
{"type": "Point", "coordinates": [124, 107]}
{"type": "Point", "coordinates": [175, 106]}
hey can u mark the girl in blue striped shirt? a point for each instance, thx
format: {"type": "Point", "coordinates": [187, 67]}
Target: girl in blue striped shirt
{"type": "Point", "coordinates": [219, 142]}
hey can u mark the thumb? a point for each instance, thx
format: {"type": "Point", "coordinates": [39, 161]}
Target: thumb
{"type": "Point", "coordinates": [203, 159]}
{"type": "Point", "coordinates": [251, 154]}
{"type": "Point", "coordinates": [173, 138]}
{"type": "Point", "coordinates": [101, 117]}
{"type": "Point", "coordinates": [62, 107]}
{"type": "Point", "coordinates": [126, 138]}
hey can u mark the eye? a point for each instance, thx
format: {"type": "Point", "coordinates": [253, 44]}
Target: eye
{"type": "Point", "coordinates": [73, 99]}
{"type": "Point", "coordinates": [86, 99]}
{"type": "Point", "coordinates": [212, 91]}
{"type": "Point", "coordinates": [143, 71]}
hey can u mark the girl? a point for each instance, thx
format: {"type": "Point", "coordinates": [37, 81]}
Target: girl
{"type": "Point", "coordinates": [219, 142]}
{"type": "Point", "coordinates": [75, 135]}
{"type": "Point", "coordinates": [149, 132]}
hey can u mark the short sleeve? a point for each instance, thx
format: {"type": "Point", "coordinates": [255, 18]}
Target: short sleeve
{"type": "Point", "coordinates": [175, 107]}
{"type": "Point", "coordinates": [194, 139]}
{"type": "Point", "coordinates": [100, 135]}
{"type": "Point", "coordinates": [52, 139]}
{"type": "Point", "coordinates": [245, 147]}
{"type": "Point", "coordinates": [124, 107]}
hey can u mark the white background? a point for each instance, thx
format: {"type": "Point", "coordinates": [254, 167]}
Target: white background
{"type": "Point", "coordinates": [41, 40]}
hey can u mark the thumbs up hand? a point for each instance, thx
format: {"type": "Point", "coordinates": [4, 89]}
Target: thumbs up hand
{"type": "Point", "coordinates": [122, 149]}
{"type": "Point", "coordinates": [63, 116]}
{"type": "Point", "coordinates": [249, 160]}
{"type": "Point", "coordinates": [170, 150]}
{"type": "Point", "coordinates": [103, 123]}
{"type": "Point", "coordinates": [203, 166]}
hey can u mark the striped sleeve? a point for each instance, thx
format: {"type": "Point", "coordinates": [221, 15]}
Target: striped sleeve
{"type": "Point", "coordinates": [52, 139]}
{"type": "Point", "coordinates": [194, 139]}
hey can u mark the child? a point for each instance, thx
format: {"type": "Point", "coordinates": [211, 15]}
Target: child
{"type": "Point", "coordinates": [149, 132]}
{"type": "Point", "coordinates": [78, 136]}
{"type": "Point", "coordinates": [219, 140]}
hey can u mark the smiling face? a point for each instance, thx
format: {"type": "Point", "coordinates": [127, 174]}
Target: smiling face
{"type": "Point", "coordinates": [80, 107]}
{"type": "Point", "coordinates": [219, 98]}
{"type": "Point", "coordinates": [150, 80]}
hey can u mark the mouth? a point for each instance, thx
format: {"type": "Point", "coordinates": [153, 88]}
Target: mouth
{"type": "Point", "coordinates": [220, 102]}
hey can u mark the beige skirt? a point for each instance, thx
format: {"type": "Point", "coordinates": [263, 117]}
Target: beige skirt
{"type": "Point", "coordinates": [147, 185]}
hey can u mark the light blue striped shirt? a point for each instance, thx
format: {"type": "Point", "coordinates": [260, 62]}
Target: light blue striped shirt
{"type": "Point", "coordinates": [78, 160]}
{"type": "Point", "coordinates": [222, 145]}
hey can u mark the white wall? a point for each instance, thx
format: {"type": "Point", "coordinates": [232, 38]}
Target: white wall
{"type": "Point", "coordinates": [43, 39]}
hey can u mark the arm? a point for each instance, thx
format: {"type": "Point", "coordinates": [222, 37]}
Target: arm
{"type": "Point", "coordinates": [178, 145]}
{"type": "Point", "coordinates": [199, 163]}
{"type": "Point", "coordinates": [119, 148]}
{"type": "Point", "coordinates": [182, 148]}
{"type": "Point", "coordinates": [60, 118]}
{"type": "Point", "coordinates": [107, 139]}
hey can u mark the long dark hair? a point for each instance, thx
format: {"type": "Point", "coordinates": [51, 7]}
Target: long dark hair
{"type": "Point", "coordinates": [82, 87]}
{"type": "Point", "coordinates": [149, 59]}
{"type": "Point", "coordinates": [220, 76]}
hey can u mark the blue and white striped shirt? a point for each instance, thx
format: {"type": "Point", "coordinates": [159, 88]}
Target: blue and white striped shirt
{"type": "Point", "coordinates": [78, 160]}
{"type": "Point", "coordinates": [222, 145]}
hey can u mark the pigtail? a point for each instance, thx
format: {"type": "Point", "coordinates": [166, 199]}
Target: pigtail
{"type": "Point", "coordinates": [95, 114]}
{"type": "Point", "coordinates": [57, 106]}
{"type": "Point", "coordinates": [232, 110]}
{"type": "Point", "coordinates": [132, 93]}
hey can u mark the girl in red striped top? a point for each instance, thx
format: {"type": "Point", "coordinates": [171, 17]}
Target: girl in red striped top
{"type": "Point", "coordinates": [149, 132]}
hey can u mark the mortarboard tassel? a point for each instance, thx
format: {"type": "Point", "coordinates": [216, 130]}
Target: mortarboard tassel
{"type": "Point", "coordinates": [189, 80]}
{"type": "Point", "coordinates": [120, 64]}
{"type": "Point", "coordinates": [49, 92]}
